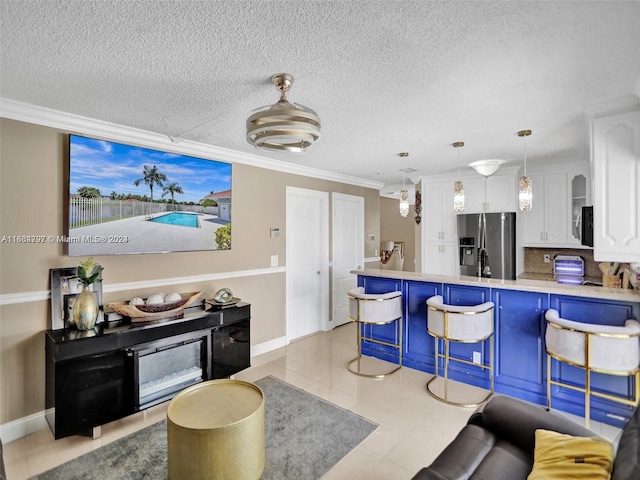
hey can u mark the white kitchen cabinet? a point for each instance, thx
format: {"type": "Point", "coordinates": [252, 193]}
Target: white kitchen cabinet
{"type": "Point", "coordinates": [438, 216]}
{"type": "Point", "coordinates": [500, 194]}
{"type": "Point", "coordinates": [547, 223]}
{"type": "Point", "coordinates": [579, 191]}
{"type": "Point", "coordinates": [615, 157]}
{"type": "Point", "coordinates": [439, 229]}
{"type": "Point", "coordinates": [440, 259]}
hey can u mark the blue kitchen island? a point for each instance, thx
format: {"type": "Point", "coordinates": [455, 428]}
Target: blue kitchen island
{"type": "Point", "coordinates": [520, 357]}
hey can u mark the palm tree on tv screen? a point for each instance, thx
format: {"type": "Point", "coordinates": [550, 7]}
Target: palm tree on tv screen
{"type": "Point", "coordinates": [151, 176]}
{"type": "Point", "coordinates": [172, 189]}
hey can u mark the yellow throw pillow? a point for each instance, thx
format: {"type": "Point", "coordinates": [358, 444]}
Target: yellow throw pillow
{"type": "Point", "coordinates": [558, 456]}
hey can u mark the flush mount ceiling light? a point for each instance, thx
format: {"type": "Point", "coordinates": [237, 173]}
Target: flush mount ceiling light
{"type": "Point", "coordinates": [283, 126]}
{"type": "Point", "coordinates": [525, 192]}
{"type": "Point", "coordinates": [404, 194]}
{"type": "Point", "coordinates": [458, 189]}
{"type": "Point", "coordinates": [486, 168]}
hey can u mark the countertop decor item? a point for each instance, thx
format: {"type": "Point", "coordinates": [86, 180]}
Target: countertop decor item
{"type": "Point", "coordinates": [85, 308]}
{"type": "Point", "coordinates": [223, 295]}
{"type": "Point", "coordinates": [162, 311]}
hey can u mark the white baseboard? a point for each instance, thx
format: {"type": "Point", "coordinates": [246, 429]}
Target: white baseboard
{"type": "Point", "coordinates": [34, 423]}
{"type": "Point", "coordinates": [268, 346]}
{"type": "Point", "coordinates": [23, 426]}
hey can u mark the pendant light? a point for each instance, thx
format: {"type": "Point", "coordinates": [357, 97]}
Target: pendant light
{"type": "Point", "coordinates": [404, 195]}
{"type": "Point", "coordinates": [458, 189]}
{"type": "Point", "coordinates": [525, 193]}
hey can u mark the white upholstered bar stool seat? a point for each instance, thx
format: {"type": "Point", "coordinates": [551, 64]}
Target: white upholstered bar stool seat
{"type": "Point", "coordinates": [458, 323]}
{"type": "Point", "coordinates": [609, 349]}
{"type": "Point", "coordinates": [375, 309]}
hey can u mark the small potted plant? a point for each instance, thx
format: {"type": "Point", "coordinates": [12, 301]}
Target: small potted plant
{"type": "Point", "coordinates": [85, 308]}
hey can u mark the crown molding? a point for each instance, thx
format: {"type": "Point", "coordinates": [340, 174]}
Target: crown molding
{"type": "Point", "coordinates": [47, 117]}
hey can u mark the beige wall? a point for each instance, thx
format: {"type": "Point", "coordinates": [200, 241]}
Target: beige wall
{"type": "Point", "coordinates": [33, 176]}
{"type": "Point", "coordinates": [399, 229]}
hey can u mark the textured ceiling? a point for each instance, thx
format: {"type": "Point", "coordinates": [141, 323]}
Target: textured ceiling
{"type": "Point", "coordinates": [384, 76]}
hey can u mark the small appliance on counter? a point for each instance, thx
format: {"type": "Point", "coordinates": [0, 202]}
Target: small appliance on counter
{"type": "Point", "coordinates": [568, 269]}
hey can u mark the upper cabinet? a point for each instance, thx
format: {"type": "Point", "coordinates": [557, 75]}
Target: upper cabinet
{"type": "Point", "coordinates": [546, 224]}
{"type": "Point", "coordinates": [556, 217]}
{"type": "Point", "coordinates": [579, 190]}
{"type": "Point", "coordinates": [494, 194]}
{"type": "Point", "coordinates": [439, 229]}
{"type": "Point", "coordinates": [439, 217]}
{"type": "Point", "coordinates": [615, 159]}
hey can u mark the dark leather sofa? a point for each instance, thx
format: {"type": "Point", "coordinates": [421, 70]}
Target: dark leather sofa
{"type": "Point", "coordinates": [498, 443]}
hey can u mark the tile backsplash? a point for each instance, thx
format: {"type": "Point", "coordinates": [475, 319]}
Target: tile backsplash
{"type": "Point", "coordinates": [534, 260]}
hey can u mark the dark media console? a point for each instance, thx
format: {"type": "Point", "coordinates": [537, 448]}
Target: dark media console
{"type": "Point", "coordinates": [111, 372]}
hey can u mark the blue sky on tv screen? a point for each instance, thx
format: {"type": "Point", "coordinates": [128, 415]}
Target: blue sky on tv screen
{"type": "Point", "coordinates": [110, 166]}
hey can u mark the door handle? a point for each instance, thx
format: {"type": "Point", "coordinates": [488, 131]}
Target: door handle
{"type": "Point", "coordinates": [317, 272]}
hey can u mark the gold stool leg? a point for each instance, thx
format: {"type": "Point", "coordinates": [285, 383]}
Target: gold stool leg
{"type": "Point", "coordinates": [445, 378]}
{"type": "Point", "coordinates": [548, 382]}
{"type": "Point", "coordinates": [358, 371]}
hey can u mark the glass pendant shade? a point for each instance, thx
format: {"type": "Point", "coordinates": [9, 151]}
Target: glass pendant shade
{"type": "Point", "coordinates": [525, 191]}
{"type": "Point", "coordinates": [525, 194]}
{"type": "Point", "coordinates": [458, 196]}
{"type": "Point", "coordinates": [404, 203]}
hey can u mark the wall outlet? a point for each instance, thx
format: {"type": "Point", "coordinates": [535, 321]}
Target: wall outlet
{"type": "Point", "coordinates": [274, 260]}
{"type": "Point", "coordinates": [477, 358]}
{"type": "Point", "coordinates": [547, 259]}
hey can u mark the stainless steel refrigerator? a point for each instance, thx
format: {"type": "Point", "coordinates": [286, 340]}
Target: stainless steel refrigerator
{"type": "Point", "coordinates": [488, 245]}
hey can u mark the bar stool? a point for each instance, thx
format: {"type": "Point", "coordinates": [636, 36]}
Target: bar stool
{"type": "Point", "coordinates": [375, 309]}
{"type": "Point", "coordinates": [608, 349]}
{"type": "Point", "coordinates": [464, 324]}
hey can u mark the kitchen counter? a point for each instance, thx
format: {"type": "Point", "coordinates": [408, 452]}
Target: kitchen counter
{"type": "Point", "coordinates": [519, 333]}
{"type": "Point", "coordinates": [543, 284]}
{"type": "Point", "coordinates": [550, 277]}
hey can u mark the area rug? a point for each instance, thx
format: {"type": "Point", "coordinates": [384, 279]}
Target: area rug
{"type": "Point", "coordinates": [304, 435]}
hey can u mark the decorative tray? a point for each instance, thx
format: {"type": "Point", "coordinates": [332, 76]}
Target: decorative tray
{"type": "Point", "coordinates": [147, 313]}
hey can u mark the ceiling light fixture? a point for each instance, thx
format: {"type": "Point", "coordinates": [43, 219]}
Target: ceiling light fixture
{"type": "Point", "coordinates": [525, 192]}
{"type": "Point", "coordinates": [486, 168]}
{"type": "Point", "coordinates": [404, 194]}
{"type": "Point", "coordinates": [283, 126]}
{"type": "Point", "coordinates": [458, 189]}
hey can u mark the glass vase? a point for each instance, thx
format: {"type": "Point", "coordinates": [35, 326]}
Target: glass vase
{"type": "Point", "coordinates": [85, 310]}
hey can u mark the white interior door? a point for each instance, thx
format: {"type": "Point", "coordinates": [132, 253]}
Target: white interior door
{"type": "Point", "coordinates": [348, 251]}
{"type": "Point", "coordinates": [307, 282]}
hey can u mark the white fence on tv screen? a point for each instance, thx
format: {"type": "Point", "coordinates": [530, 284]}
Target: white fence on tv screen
{"type": "Point", "coordinates": [91, 211]}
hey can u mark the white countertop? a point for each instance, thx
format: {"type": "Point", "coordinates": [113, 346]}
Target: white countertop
{"type": "Point", "coordinates": [520, 284]}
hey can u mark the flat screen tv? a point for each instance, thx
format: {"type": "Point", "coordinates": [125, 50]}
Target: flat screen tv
{"type": "Point", "coordinates": [125, 199]}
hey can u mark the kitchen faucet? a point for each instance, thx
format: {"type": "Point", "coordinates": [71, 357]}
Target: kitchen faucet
{"type": "Point", "coordinates": [483, 263]}
{"type": "Point", "coordinates": [483, 254]}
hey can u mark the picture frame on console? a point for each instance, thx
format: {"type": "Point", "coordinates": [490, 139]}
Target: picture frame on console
{"type": "Point", "coordinates": [65, 288]}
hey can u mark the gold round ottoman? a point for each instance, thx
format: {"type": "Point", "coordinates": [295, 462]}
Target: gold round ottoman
{"type": "Point", "coordinates": [215, 430]}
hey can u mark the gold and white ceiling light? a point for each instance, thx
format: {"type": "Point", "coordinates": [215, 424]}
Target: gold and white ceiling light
{"type": "Point", "coordinates": [404, 194]}
{"type": "Point", "coordinates": [525, 192]}
{"type": "Point", "coordinates": [284, 126]}
{"type": "Point", "coordinates": [458, 188]}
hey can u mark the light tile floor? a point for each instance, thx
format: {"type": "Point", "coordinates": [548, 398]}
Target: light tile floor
{"type": "Point", "coordinates": [414, 428]}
